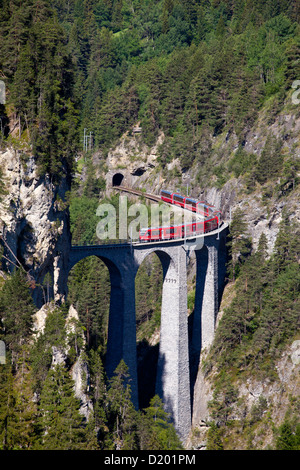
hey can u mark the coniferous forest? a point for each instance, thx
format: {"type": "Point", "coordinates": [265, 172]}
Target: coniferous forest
{"type": "Point", "coordinates": [192, 70]}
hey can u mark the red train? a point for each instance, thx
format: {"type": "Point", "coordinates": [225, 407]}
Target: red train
{"type": "Point", "coordinates": [200, 207]}
{"type": "Point", "coordinates": [211, 221]}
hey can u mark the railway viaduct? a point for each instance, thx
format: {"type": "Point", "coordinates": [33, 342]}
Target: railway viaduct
{"type": "Point", "coordinates": [174, 381]}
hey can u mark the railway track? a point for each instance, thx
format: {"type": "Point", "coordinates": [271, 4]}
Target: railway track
{"type": "Point", "coordinates": [136, 192]}
{"type": "Point", "coordinates": [152, 197]}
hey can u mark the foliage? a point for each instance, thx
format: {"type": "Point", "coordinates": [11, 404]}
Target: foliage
{"type": "Point", "coordinates": [262, 318]}
{"type": "Point", "coordinates": [60, 424]}
{"type": "Point", "coordinates": [175, 66]}
{"type": "Point", "coordinates": [16, 310]}
{"type": "Point", "coordinates": [288, 437]}
{"type": "Point", "coordinates": [192, 70]}
{"type": "Point", "coordinates": [39, 72]}
{"type": "Point", "coordinates": [156, 429]}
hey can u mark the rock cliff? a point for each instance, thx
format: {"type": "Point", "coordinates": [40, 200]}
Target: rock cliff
{"type": "Point", "coordinates": [34, 225]}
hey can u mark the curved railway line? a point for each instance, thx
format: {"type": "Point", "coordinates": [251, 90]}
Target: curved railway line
{"type": "Point", "coordinates": [136, 192]}
{"type": "Point", "coordinates": [190, 239]}
{"type": "Point", "coordinates": [152, 197]}
{"type": "Point", "coordinates": [206, 218]}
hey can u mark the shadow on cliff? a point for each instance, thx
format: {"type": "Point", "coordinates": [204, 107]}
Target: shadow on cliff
{"type": "Point", "coordinates": [147, 356]}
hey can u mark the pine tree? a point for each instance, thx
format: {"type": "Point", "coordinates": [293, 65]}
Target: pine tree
{"type": "Point", "coordinates": [16, 310]}
{"type": "Point", "coordinates": [122, 419]}
{"type": "Point", "coordinates": [99, 392]}
{"type": "Point", "coordinates": [24, 413]}
{"type": "Point", "coordinates": [7, 402]}
{"type": "Point", "coordinates": [286, 439]}
{"type": "Point", "coordinates": [60, 423]}
{"type": "Point", "coordinates": [156, 431]}
{"type": "Point", "coordinates": [270, 163]}
{"type": "Point", "coordinates": [54, 335]}
{"type": "Point", "coordinates": [239, 243]}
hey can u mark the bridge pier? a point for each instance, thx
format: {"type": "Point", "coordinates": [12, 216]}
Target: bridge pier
{"type": "Point", "coordinates": [173, 381]}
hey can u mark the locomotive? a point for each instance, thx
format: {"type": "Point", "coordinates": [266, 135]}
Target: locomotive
{"type": "Point", "coordinates": [211, 220]}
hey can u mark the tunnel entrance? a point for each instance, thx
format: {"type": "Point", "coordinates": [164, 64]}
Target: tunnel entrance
{"type": "Point", "coordinates": [117, 179]}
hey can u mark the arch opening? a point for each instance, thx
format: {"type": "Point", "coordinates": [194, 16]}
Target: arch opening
{"type": "Point", "coordinates": [89, 288]}
{"type": "Point", "coordinates": [148, 298]}
{"type": "Point", "coordinates": [117, 179]}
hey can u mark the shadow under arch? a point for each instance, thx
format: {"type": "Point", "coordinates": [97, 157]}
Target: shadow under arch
{"type": "Point", "coordinates": [148, 296]}
{"type": "Point", "coordinates": [148, 355]}
{"type": "Point", "coordinates": [101, 270]}
{"type": "Point", "coordinates": [195, 323]}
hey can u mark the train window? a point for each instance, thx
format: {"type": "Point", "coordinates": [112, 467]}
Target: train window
{"type": "Point", "coordinates": [191, 202]}
{"type": "Point", "coordinates": [155, 233]}
{"type": "Point", "coordinates": [177, 197]}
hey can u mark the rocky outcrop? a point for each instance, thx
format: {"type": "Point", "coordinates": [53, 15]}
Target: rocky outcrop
{"type": "Point", "coordinates": [79, 370]}
{"type": "Point", "coordinates": [34, 225]}
{"type": "Point", "coordinates": [133, 160]}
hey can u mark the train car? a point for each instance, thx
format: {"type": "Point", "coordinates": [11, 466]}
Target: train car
{"type": "Point", "coordinates": [193, 229]}
{"type": "Point", "coordinates": [218, 214]}
{"type": "Point", "coordinates": [179, 231]}
{"type": "Point", "coordinates": [190, 204]}
{"type": "Point", "coordinates": [166, 196]}
{"type": "Point", "coordinates": [150, 234]}
{"type": "Point", "coordinates": [169, 233]}
{"type": "Point", "coordinates": [212, 219]}
{"type": "Point", "coordinates": [161, 233]}
{"type": "Point", "coordinates": [178, 200]}
{"type": "Point", "coordinates": [202, 209]}
{"type": "Point", "coordinates": [211, 224]}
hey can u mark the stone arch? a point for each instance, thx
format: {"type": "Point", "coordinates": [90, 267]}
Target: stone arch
{"type": "Point", "coordinates": [102, 276]}
{"type": "Point", "coordinates": [115, 305]}
{"type": "Point", "coordinates": [165, 256]}
{"type": "Point", "coordinates": [117, 179]}
{"type": "Point", "coordinates": [121, 337]}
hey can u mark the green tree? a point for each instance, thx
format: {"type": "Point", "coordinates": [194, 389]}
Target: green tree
{"type": "Point", "coordinates": [61, 426]}
{"type": "Point", "coordinates": [54, 335]}
{"type": "Point", "coordinates": [7, 402]}
{"type": "Point", "coordinates": [288, 438]}
{"type": "Point", "coordinates": [270, 163]}
{"type": "Point", "coordinates": [239, 243]}
{"type": "Point", "coordinates": [16, 310]}
{"type": "Point", "coordinates": [99, 393]}
{"type": "Point", "coordinates": [122, 417]}
{"type": "Point", "coordinates": [156, 430]}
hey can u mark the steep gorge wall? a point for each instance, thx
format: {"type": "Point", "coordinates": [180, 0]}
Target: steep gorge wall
{"type": "Point", "coordinates": [34, 225]}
